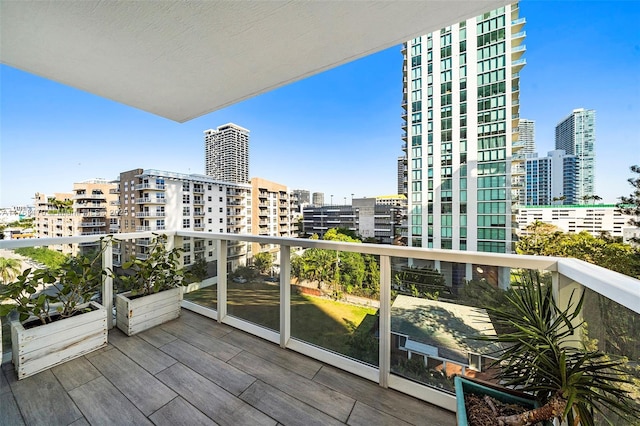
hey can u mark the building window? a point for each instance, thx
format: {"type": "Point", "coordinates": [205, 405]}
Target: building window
{"type": "Point", "coordinates": [186, 223]}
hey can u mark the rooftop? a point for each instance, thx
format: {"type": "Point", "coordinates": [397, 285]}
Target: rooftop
{"type": "Point", "coordinates": [194, 370]}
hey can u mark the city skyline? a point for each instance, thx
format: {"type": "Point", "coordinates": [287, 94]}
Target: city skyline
{"type": "Point", "coordinates": [321, 127]}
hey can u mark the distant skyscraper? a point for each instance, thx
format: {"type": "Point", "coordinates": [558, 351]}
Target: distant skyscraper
{"type": "Point", "coordinates": [402, 174]}
{"type": "Point", "coordinates": [576, 135]}
{"type": "Point", "coordinates": [227, 153]}
{"type": "Point", "coordinates": [527, 129]}
{"type": "Point", "coordinates": [317, 198]}
{"type": "Point", "coordinates": [460, 118]}
{"type": "Point", "coordinates": [304, 196]}
{"type": "Point", "coordinates": [550, 180]}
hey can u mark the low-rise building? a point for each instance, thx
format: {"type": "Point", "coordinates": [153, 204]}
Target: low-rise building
{"type": "Point", "coordinates": [576, 218]}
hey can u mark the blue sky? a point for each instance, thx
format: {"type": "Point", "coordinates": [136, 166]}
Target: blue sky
{"type": "Point", "coordinates": [337, 132]}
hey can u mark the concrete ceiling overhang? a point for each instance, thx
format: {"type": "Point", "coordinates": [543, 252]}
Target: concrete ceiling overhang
{"type": "Point", "coordinates": [181, 59]}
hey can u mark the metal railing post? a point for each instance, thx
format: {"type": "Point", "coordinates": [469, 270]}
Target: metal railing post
{"type": "Point", "coordinates": [107, 280]}
{"type": "Point", "coordinates": [385, 321]}
{"type": "Point", "coordinates": [285, 295]}
{"type": "Point", "coordinates": [222, 279]}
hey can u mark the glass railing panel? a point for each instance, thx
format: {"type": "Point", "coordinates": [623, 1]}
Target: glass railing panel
{"type": "Point", "coordinates": [201, 271]}
{"type": "Point", "coordinates": [438, 308]}
{"type": "Point", "coordinates": [253, 283]}
{"type": "Point", "coordinates": [335, 301]}
{"type": "Point", "coordinates": [615, 330]}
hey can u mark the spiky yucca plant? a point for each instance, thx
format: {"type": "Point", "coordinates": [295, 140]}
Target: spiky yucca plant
{"type": "Point", "coordinates": [543, 357]}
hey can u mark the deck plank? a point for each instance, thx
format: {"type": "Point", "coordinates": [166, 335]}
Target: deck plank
{"type": "Point", "coordinates": [145, 354]}
{"type": "Point", "coordinates": [363, 415]}
{"type": "Point", "coordinates": [180, 413]}
{"type": "Point", "coordinates": [9, 411]}
{"type": "Point", "coordinates": [218, 404]}
{"type": "Point", "coordinates": [4, 384]}
{"type": "Point", "coordinates": [284, 408]}
{"type": "Point", "coordinates": [43, 400]}
{"type": "Point", "coordinates": [315, 394]}
{"type": "Point", "coordinates": [75, 373]}
{"type": "Point", "coordinates": [219, 372]}
{"type": "Point", "coordinates": [103, 404]}
{"type": "Point", "coordinates": [201, 322]}
{"type": "Point", "coordinates": [389, 401]}
{"type": "Point", "coordinates": [156, 336]}
{"type": "Point", "coordinates": [146, 392]}
{"type": "Point", "coordinates": [290, 360]}
{"type": "Point", "coordinates": [211, 345]}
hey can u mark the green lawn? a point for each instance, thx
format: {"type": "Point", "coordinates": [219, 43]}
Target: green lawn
{"type": "Point", "coordinates": [323, 322]}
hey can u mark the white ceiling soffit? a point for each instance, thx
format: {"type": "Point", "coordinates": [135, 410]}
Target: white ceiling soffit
{"type": "Point", "coordinates": [181, 60]}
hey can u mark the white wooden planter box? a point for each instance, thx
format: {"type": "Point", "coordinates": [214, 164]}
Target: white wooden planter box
{"type": "Point", "coordinates": [44, 346]}
{"type": "Point", "coordinates": [142, 313]}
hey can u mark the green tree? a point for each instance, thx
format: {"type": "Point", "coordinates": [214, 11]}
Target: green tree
{"type": "Point", "coordinates": [263, 262]}
{"type": "Point", "coordinates": [48, 257]}
{"type": "Point", "coordinates": [9, 269]}
{"type": "Point", "coordinates": [631, 205]}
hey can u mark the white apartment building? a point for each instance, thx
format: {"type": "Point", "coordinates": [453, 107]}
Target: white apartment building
{"type": "Point", "coordinates": [227, 153]}
{"type": "Point", "coordinates": [155, 200]}
{"type": "Point", "coordinates": [577, 218]}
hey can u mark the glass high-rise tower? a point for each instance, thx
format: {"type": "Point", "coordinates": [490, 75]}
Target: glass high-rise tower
{"type": "Point", "coordinates": [576, 135]}
{"type": "Point", "coordinates": [461, 113]}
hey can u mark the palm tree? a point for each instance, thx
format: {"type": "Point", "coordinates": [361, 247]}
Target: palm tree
{"type": "Point", "coordinates": [9, 269]}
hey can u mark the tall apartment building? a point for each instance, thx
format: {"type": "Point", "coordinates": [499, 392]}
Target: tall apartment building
{"type": "Point", "coordinates": [461, 103]}
{"type": "Point", "coordinates": [526, 140]}
{"type": "Point", "coordinates": [576, 135]}
{"type": "Point", "coordinates": [155, 200]}
{"type": "Point", "coordinates": [402, 174]}
{"type": "Point", "coordinates": [88, 210]}
{"type": "Point", "coordinates": [274, 207]}
{"type": "Point", "coordinates": [527, 136]}
{"type": "Point", "coordinates": [227, 153]}
{"type": "Point", "coordinates": [550, 179]}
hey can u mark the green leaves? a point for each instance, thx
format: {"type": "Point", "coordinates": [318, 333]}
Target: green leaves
{"type": "Point", "coordinates": [74, 282]}
{"type": "Point", "coordinates": [542, 356]}
{"type": "Point", "coordinates": [159, 271]}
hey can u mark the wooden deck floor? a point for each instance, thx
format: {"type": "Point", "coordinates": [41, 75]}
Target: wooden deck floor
{"type": "Point", "coordinates": [194, 371]}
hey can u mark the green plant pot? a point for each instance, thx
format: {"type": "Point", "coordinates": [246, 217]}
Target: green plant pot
{"type": "Point", "coordinates": [465, 386]}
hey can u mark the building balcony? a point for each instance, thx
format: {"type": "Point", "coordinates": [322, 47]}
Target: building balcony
{"type": "Point", "coordinates": [149, 185]}
{"type": "Point", "coordinates": [517, 24]}
{"type": "Point", "coordinates": [518, 38]}
{"type": "Point", "coordinates": [114, 202]}
{"type": "Point", "coordinates": [114, 191]}
{"type": "Point", "coordinates": [198, 201]}
{"type": "Point", "coordinates": [251, 361]}
{"type": "Point", "coordinates": [150, 200]}
{"type": "Point", "coordinates": [90, 197]}
{"type": "Point", "coordinates": [198, 213]}
{"type": "Point", "coordinates": [150, 228]}
{"type": "Point", "coordinates": [91, 224]}
{"type": "Point", "coordinates": [198, 190]}
{"type": "Point", "coordinates": [150, 214]}
{"type": "Point", "coordinates": [517, 65]}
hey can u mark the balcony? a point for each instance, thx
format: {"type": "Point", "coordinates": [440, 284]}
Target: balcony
{"type": "Point", "coordinates": [518, 38]}
{"type": "Point", "coordinates": [518, 64]}
{"type": "Point", "coordinates": [91, 224]}
{"type": "Point", "coordinates": [517, 24]}
{"type": "Point", "coordinates": [150, 214]}
{"type": "Point", "coordinates": [149, 185]}
{"type": "Point", "coordinates": [150, 228]}
{"type": "Point", "coordinates": [150, 200]}
{"type": "Point", "coordinates": [237, 350]}
{"type": "Point", "coordinates": [89, 197]}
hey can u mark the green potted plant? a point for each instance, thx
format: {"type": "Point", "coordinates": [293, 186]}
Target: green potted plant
{"type": "Point", "coordinates": [542, 358]}
{"type": "Point", "coordinates": [153, 288]}
{"type": "Point", "coordinates": [56, 317]}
